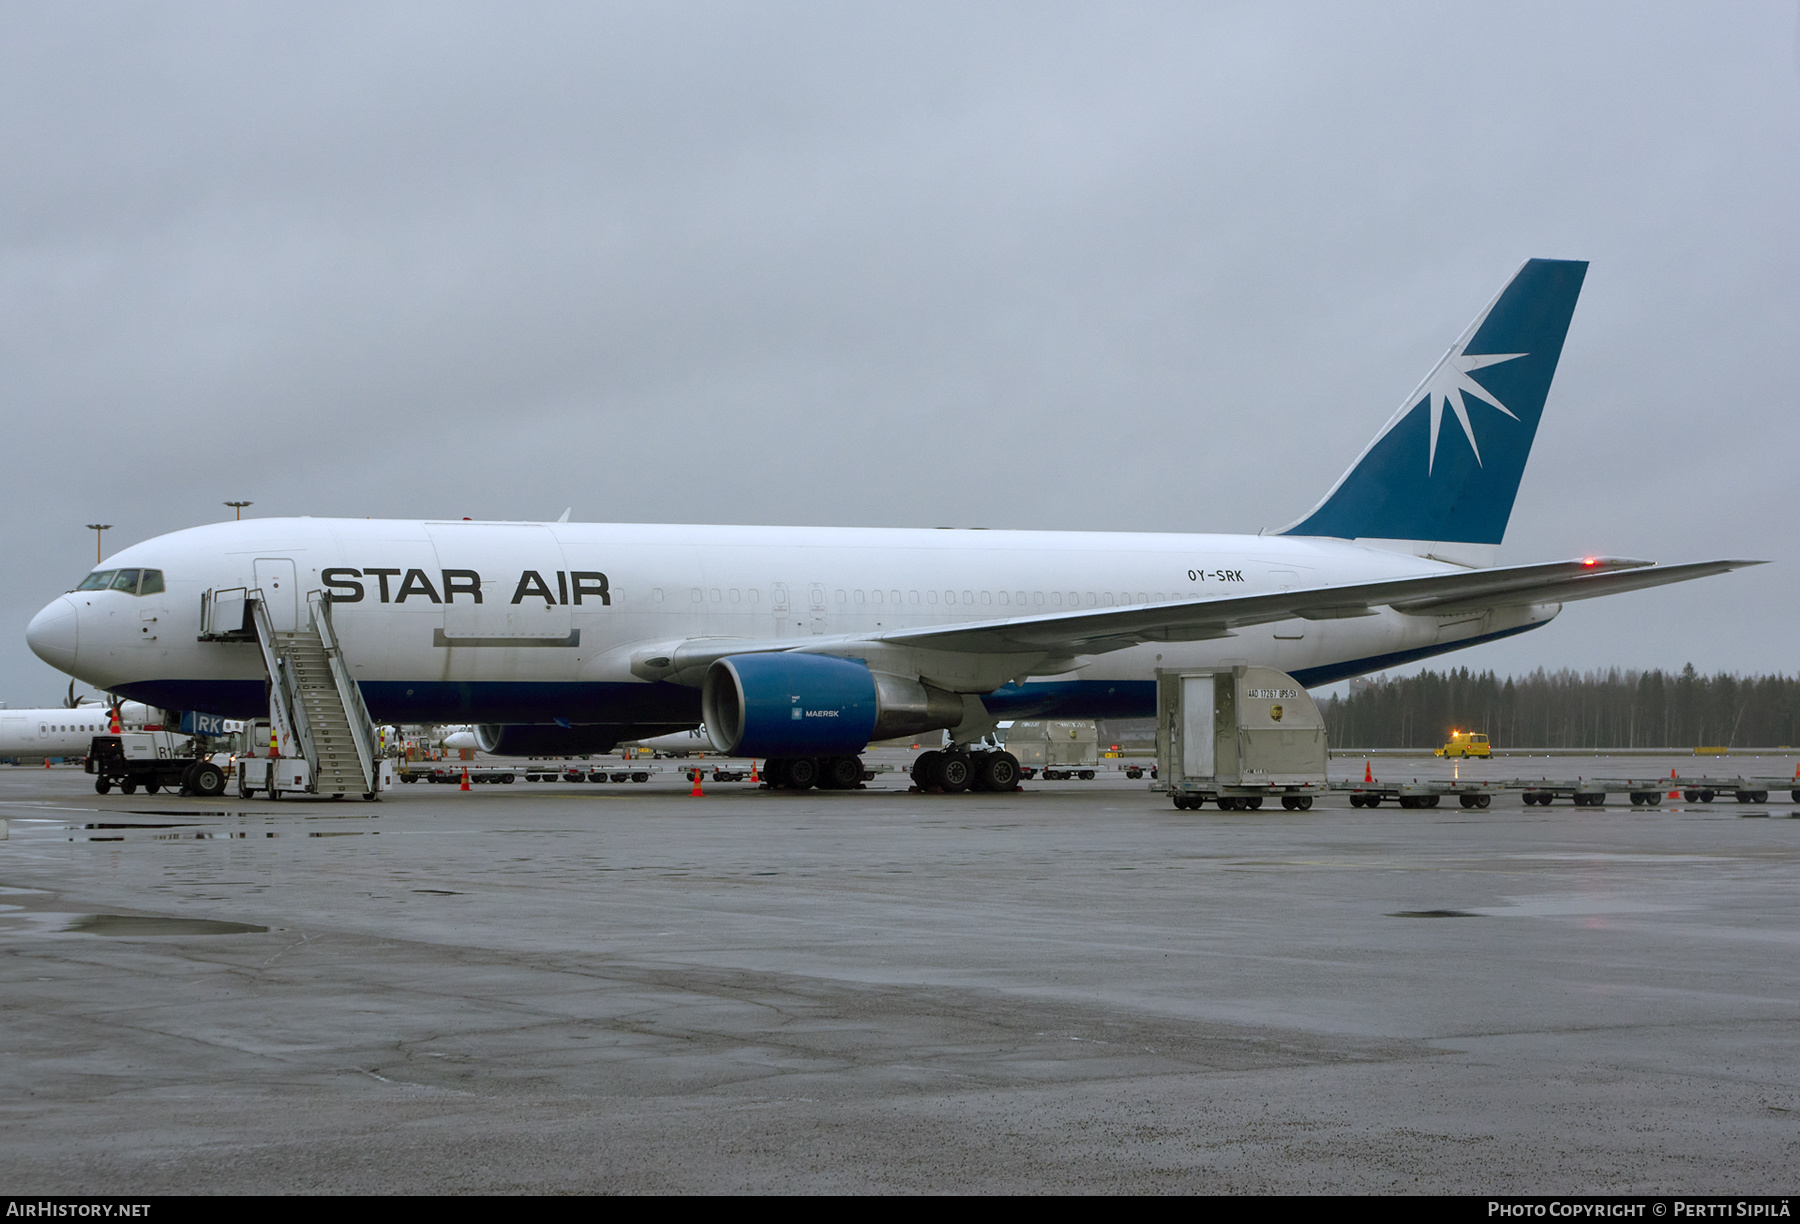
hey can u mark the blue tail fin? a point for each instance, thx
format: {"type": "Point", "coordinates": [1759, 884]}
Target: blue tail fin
{"type": "Point", "coordinates": [1446, 467]}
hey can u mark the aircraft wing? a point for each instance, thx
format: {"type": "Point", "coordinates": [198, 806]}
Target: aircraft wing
{"type": "Point", "coordinates": [1091, 632]}
{"type": "Point", "coordinates": [1101, 630]}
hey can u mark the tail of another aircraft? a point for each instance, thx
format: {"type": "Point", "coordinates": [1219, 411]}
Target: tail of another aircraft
{"type": "Point", "coordinates": [1446, 467]}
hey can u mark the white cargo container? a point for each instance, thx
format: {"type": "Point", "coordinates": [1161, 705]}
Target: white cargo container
{"type": "Point", "coordinates": [1238, 735]}
{"type": "Point", "coordinates": [1056, 748]}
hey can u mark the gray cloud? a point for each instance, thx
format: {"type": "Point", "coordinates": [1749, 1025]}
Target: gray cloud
{"type": "Point", "coordinates": [1120, 267]}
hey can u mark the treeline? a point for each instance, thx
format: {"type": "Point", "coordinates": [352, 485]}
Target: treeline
{"type": "Point", "coordinates": [1566, 709]}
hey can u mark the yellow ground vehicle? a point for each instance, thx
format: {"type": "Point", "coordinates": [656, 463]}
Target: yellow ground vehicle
{"type": "Point", "coordinates": [1466, 744]}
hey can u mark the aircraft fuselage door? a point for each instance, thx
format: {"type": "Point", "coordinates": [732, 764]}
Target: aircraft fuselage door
{"type": "Point", "coordinates": [818, 609]}
{"type": "Point", "coordinates": [506, 583]}
{"type": "Point", "coordinates": [280, 592]}
{"type": "Point", "coordinates": [784, 613]}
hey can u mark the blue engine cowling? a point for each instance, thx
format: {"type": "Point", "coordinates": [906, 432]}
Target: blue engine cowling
{"type": "Point", "coordinates": [796, 705]}
{"type": "Point", "coordinates": [789, 705]}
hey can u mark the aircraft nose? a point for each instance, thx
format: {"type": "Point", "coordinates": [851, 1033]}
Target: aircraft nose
{"type": "Point", "coordinates": [52, 634]}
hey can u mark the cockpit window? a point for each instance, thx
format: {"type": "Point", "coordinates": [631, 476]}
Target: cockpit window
{"type": "Point", "coordinates": [132, 582]}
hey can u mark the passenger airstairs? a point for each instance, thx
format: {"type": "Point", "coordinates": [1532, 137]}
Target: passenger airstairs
{"type": "Point", "coordinates": [315, 706]}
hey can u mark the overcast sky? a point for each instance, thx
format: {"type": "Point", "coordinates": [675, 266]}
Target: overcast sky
{"type": "Point", "coordinates": [1100, 266]}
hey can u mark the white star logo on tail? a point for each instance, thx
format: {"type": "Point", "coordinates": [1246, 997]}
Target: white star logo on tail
{"type": "Point", "coordinates": [1446, 385]}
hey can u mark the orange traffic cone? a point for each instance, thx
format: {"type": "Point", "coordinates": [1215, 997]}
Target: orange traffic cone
{"type": "Point", "coordinates": [112, 727]}
{"type": "Point", "coordinates": [754, 778]}
{"type": "Point", "coordinates": [46, 762]}
{"type": "Point", "coordinates": [1368, 771]}
{"type": "Point", "coordinates": [696, 792]}
{"type": "Point", "coordinates": [465, 781]}
{"type": "Point", "coordinates": [1677, 794]}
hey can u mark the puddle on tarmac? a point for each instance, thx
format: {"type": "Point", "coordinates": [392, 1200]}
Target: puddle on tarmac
{"type": "Point", "coordinates": [125, 924]}
{"type": "Point", "coordinates": [185, 825]}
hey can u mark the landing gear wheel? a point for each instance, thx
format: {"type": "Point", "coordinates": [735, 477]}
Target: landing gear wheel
{"type": "Point", "coordinates": [955, 773]}
{"type": "Point", "coordinates": [841, 773]}
{"type": "Point", "coordinates": [802, 772]}
{"type": "Point", "coordinates": [925, 769]}
{"type": "Point", "coordinates": [775, 772]}
{"type": "Point", "coordinates": [997, 771]}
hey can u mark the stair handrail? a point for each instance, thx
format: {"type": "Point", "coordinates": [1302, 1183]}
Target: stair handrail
{"type": "Point", "coordinates": [356, 712]}
{"type": "Point", "coordinates": [284, 700]}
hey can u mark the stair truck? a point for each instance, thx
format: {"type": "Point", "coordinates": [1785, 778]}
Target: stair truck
{"type": "Point", "coordinates": [321, 738]}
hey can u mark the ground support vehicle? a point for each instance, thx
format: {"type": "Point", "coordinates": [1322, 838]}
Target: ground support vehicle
{"type": "Point", "coordinates": [278, 776]}
{"type": "Point", "coordinates": [450, 773]}
{"type": "Point", "coordinates": [1652, 792]}
{"type": "Point", "coordinates": [1055, 749]}
{"type": "Point", "coordinates": [1419, 794]}
{"type": "Point", "coordinates": [1581, 792]}
{"type": "Point", "coordinates": [320, 739]}
{"type": "Point", "coordinates": [1592, 792]}
{"type": "Point", "coordinates": [1466, 744]}
{"type": "Point", "coordinates": [636, 772]}
{"type": "Point", "coordinates": [154, 760]}
{"type": "Point", "coordinates": [1237, 736]}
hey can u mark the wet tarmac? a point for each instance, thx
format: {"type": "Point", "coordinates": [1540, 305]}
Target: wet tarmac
{"type": "Point", "coordinates": [575, 988]}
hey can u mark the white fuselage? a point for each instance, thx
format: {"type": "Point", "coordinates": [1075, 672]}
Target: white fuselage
{"type": "Point", "coordinates": [59, 732]}
{"type": "Point", "coordinates": [564, 606]}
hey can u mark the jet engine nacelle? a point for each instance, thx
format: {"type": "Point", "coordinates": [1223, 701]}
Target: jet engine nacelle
{"type": "Point", "coordinates": [532, 739]}
{"type": "Point", "coordinates": [794, 705]}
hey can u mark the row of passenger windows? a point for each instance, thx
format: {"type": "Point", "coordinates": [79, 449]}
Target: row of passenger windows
{"type": "Point", "coordinates": [132, 582]}
{"type": "Point", "coordinates": [891, 598]}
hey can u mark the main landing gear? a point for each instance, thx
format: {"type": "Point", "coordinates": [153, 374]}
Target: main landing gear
{"type": "Point", "coordinates": [954, 771]}
{"type": "Point", "coordinates": [804, 773]}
